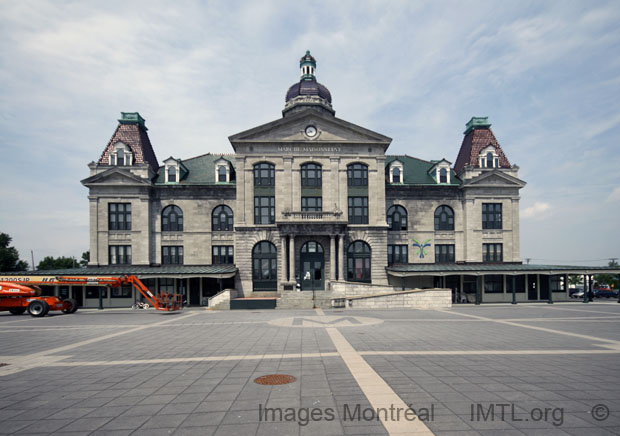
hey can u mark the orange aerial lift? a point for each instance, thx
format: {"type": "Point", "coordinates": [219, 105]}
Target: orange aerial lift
{"type": "Point", "coordinates": [17, 297]}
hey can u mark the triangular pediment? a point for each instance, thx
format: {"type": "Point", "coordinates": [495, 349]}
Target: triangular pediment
{"type": "Point", "coordinates": [292, 129]}
{"type": "Point", "coordinates": [495, 178]}
{"type": "Point", "coordinates": [115, 176]}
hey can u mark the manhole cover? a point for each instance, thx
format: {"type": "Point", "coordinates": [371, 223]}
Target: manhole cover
{"type": "Point", "coordinates": [4, 364]}
{"type": "Point", "coordinates": [275, 379]}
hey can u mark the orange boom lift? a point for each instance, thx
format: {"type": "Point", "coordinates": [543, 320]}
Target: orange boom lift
{"type": "Point", "coordinates": [17, 297]}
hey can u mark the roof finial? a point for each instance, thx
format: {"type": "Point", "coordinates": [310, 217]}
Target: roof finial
{"type": "Point", "coordinates": [307, 64]}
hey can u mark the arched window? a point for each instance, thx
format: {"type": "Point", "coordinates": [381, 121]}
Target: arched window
{"type": "Point", "coordinates": [221, 174]}
{"type": "Point", "coordinates": [444, 218]}
{"type": "Point", "coordinates": [172, 174]}
{"type": "Point", "coordinates": [357, 174]}
{"type": "Point", "coordinates": [172, 219]}
{"type": "Point", "coordinates": [395, 175]}
{"type": "Point", "coordinates": [264, 267]}
{"type": "Point", "coordinates": [489, 160]}
{"type": "Point", "coordinates": [222, 219]}
{"type": "Point", "coordinates": [397, 218]}
{"type": "Point", "coordinates": [264, 174]}
{"type": "Point", "coordinates": [311, 175]}
{"type": "Point", "coordinates": [120, 157]}
{"type": "Point", "coordinates": [443, 175]}
{"type": "Point", "coordinates": [358, 262]}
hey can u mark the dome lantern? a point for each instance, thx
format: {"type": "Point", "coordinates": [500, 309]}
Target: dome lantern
{"type": "Point", "coordinates": [307, 65]}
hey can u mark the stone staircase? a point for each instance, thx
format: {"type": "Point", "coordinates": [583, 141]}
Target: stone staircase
{"type": "Point", "coordinates": [303, 300]}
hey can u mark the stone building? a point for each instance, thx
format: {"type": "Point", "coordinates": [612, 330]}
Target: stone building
{"type": "Point", "coordinates": [312, 202]}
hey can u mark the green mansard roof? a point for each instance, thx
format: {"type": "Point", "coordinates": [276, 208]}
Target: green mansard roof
{"type": "Point", "coordinates": [200, 170]}
{"type": "Point", "coordinates": [416, 171]}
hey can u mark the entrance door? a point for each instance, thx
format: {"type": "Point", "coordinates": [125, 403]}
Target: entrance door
{"type": "Point", "coordinates": [312, 267]}
{"type": "Point", "coordinates": [194, 291]}
{"type": "Point", "coordinates": [532, 292]}
{"type": "Point", "coordinates": [78, 295]}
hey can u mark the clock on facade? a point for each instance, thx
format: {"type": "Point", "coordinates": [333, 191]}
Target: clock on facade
{"type": "Point", "coordinates": [311, 131]}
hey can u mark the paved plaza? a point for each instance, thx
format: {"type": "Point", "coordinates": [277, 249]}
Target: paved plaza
{"type": "Point", "coordinates": [532, 369]}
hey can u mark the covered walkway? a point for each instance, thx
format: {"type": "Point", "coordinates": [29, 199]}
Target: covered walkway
{"type": "Point", "coordinates": [495, 283]}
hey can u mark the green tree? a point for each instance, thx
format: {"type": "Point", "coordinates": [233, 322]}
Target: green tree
{"type": "Point", "coordinates": [608, 279]}
{"type": "Point", "coordinates": [85, 259]}
{"type": "Point", "coordinates": [50, 262]}
{"type": "Point", "coordinates": [9, 257]}
{"type": "Point", "coordinates": [575, 279]}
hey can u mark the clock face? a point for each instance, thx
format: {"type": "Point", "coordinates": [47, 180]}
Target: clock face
{"type": "Point", "coordinates": [311, 131]}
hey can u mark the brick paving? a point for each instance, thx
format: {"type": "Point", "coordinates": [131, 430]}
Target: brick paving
{"type": "Point", "coordinates": [119, 372]}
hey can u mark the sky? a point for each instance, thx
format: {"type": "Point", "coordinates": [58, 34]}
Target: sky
{"type": "Point", "coordinates": [547, 74]}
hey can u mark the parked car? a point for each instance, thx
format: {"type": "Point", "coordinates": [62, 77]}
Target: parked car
{"type": "Point", "coordinates": [573, 291]}
{"type": "Point", "coordinates": [605, 291]}
{"type": "Point", "coordinates": [578, 294]}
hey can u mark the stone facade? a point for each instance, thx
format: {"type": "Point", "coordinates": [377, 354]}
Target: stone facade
{"type": "Point", "coordinates": [308, 133]}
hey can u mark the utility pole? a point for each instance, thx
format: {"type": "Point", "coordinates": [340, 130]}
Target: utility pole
{"type": "Point", "coordinates": [32, 257]}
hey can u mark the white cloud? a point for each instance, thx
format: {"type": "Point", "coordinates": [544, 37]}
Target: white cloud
{"type": "Point", "coordinates": [201, 71]}
{"type": "Point", "coordinates": [614, 196]}
{"type": "Point", "coordinates": [537, 211]}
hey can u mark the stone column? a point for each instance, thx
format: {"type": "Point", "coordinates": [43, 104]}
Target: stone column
{"type": "Point", "coordinates": [283, 275]}
{"type": "Point", "coordinates": [342, 273]}
{"type": "Point", "coordinates": [291, 247]}
{"type": "Point", "coordinates": [332, 257]}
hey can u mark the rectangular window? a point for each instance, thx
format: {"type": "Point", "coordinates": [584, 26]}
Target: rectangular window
{"type": "Point", "coordinates": [492, 253]}
{"type": "Point", "coordinates": [311, 175]}
{"type": "Point", "coordinates": [264, 175]}
{"type": "Point", "coordinates": [122, 292]}
{"type": "Point", "coordinates": [93, 291]}
{"type": "Point", "coordinates": [519, 284]}
{"type": "Point", "coordinates": [358, 210]}
{"type": "Point", "coordinates": [491, 215]}
{"type": "Point", "coordinates": [444, 253]}
{"type": "Point", "coordinates": [557, 283]}
{"type": "Point", "coordinates": [222, 254]}
{"type": "Point", "coordinates": [119, 216]}
{"type": "Point", "coordinates": [264, 210]}
{"type": "Point", "coordinates": [397, 254]}
{"type": "Point", "coordinates": [172, 255]}
{"type": "Point", "coordinates": [119, 255]}
{"type": "Point", "coordinates": [357, 175]}
{"type": "Point", "coordinates": [494, 284]}
{"type": "Point", "coordinates": [311, 204]}
{"type": "Point", "coordinates": [166, 286]}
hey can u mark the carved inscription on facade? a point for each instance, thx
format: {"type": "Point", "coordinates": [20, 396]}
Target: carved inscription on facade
{"type": "Point", "coordinates": [309, 148]}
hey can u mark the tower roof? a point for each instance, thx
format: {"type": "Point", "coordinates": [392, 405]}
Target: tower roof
{"type": "Point", "coordinates": [131, 131]}
{"type": "Point", "coordinates": [478, 136]}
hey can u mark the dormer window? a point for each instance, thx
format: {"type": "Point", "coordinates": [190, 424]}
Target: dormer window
{"type": "Point", "coordinates": [443, 175]}
{"type": "Point", "coordinates": [121, 155]}
{"type": "Point", "coordinates": [174, 170]}
{"type": "Point", "coordinates": [172, 174]}
{"type": "Point", "coordinates": [396, 175]}
{"type": "Point", "coordinates": [489, 158]}
{"type": "Point", "coordinates": [441, 172]}
{"type": "Point", "coordinates": [222, 171]}
{"type": "Point", "coordinates": [396, 172]}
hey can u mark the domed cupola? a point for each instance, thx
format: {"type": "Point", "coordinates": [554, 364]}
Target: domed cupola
{"type": "Point", "coordinates": [308, 93]}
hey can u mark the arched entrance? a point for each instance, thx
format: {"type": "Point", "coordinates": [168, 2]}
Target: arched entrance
{"type": "Point", "coordinates": [312, 261]}
{"type": "Point", "coordinates": [264, 267]}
